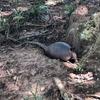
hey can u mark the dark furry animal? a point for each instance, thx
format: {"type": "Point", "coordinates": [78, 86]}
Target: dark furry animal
{"type": "Point", "coordinates": [58, 50]}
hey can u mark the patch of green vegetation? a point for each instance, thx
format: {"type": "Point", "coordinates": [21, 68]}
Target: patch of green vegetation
{"type": "Point", "coordinates": [34, 97]}
{"type": "Point", "coordinates": [79, 69]}
{"type": "Point", "coordinates": [18, 17]}
{"type": "Point", "coordinates": [88, 31]}
{"type": "Point", "coordinates": [36, 7]}
{"type": "Point", "coordinates": [37, 10]}
{"type": "Point", "coordinates": [43, 9]}
{"type": "Point", "coordinates": [39, 2]}
{"type": "Point", "coordinates": [41, 13]}
{"type": "Point", "coordinates": [69, 8]}
{"type": "Point", "coordinates": [82, 1]}
{"type": "Point", "coordinates": [3, 23]}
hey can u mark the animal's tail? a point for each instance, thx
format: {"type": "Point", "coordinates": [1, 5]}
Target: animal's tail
{"type": "Point", "coordinates": [44, 47]}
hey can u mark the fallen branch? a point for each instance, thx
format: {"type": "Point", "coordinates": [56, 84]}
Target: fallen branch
{"type": "Point", "coordinates": [64, 93]}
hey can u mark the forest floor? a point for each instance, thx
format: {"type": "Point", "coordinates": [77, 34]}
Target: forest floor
{"type": "Point", "coordinates": [25, 69]}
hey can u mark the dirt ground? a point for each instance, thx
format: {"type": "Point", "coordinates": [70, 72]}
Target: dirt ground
{"type": "Point", "coordinates": [22, 68]}
{"type": "Point", "coordinates": [25, 69]}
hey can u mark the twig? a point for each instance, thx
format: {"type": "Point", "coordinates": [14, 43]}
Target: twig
{"type": "Point", "coordinates": [64, 93]}
{"type": "Point", "coordinates": [14, 74]}
{"type": "Point", "coordinates": [36, 25]}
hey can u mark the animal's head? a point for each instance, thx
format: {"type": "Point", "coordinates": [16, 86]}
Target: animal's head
{"type": "Point", "coordinates": [73, 57]}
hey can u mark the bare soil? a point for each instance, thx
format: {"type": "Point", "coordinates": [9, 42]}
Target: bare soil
{"type": "Point", "coordinates": [25, 68]}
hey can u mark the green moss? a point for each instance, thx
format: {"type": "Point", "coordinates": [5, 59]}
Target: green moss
{"type": "Point", "coordinates": [69, 9]}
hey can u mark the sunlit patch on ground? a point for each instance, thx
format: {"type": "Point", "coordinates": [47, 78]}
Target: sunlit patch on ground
{"type": "Point", "coordinates": [86, 79]}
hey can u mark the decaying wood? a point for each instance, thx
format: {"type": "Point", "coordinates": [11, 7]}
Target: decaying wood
{"type": "Point", "coordinates": [64, 93]}
{"type": "Point", "coordinates": [73, 37]}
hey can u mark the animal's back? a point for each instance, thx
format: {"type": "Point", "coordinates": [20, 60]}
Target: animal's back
{"type": "Point", "coordinates": [59, 50]}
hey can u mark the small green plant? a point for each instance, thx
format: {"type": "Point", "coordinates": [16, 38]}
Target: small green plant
{"type": "Point", "coordinates": [15, 1]}
{"type": "Point", "coordinates": [3, 23]}
{"type": "Point", "coordinates": [41, 13]}
{"type": "Point", "coordinates": [18, 18]}
{"type": "Point", "coordinates": [69, 9]}
{"type": "Point", "coordinates": [88, 30]}
{"type": "Point", "coordinates": [34, 97]}
{"type": "Point", "coordinates": [39, 2]}
{"type": "Point", "coordinates": [82, 1]}
{"type": "Point", "coordinates": [79, 68]}
{"type": "Point", "coordinates": [35, 7]}
{"type": "Point", "coordinates": [37, 10]}
{"type": "Point", "coordinates": [4, 26]}
{"type": "Point", "coordinates": [43, 9]}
